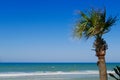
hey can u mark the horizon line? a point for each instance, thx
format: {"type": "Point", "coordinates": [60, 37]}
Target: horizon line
{"type": "Point", "coordinates": [57, 62]}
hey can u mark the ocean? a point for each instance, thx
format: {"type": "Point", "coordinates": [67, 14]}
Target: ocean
{"type": "Point", "coordinates": [52, 71]}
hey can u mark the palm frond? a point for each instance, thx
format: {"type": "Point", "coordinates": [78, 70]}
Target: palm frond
{"type": "Point", "coordinates": [94, 23]}
{"type": "Point", "coordinates": [117, 73]}
{"type": "Point", "coordinates": [82, 26]}
{"type": "Point", "coordinates": [109, 22]}
{"type": "Point", "coordinates": [103, 15]}
{"type": "Point", "coordinates": [84, 16]}
{"type": "Point", "coordinates": [118, 68]}
{"type": "Point", "coordinates": [112, 75]}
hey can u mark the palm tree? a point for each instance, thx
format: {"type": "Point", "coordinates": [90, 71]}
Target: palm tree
{"type": "Point", "coordinates": [95, 24]}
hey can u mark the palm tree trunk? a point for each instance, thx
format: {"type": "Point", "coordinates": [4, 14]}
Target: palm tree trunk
{"type": "Point", "coordinates": [100, 48]}
{"type": "Point", "coordinates": [102, 68]}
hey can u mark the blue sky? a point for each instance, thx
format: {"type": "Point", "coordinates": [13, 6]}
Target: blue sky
{"type": "Point", "coordinates": [41, 31]}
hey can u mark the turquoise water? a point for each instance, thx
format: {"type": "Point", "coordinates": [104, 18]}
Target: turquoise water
{"type": "Point", "coordinates": [51, 71]}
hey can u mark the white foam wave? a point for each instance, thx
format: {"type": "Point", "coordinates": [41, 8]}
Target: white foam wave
{"type": "Point", "coordinates": [18, 74]}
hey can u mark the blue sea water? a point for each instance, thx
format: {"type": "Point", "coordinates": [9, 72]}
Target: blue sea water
{"type": "Point", "coordinates": [51, 71]}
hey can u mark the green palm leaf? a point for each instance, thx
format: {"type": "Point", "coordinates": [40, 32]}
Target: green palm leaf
{"type": "Point", "coordinates": [117, 73]}
{"type": "Point", "coordinates": [94, 24]}
{"type": "Point", "coordinates": [113, 76]}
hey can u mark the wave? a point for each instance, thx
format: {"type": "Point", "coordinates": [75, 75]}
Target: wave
{"type": "Point", "coordinates": [19, 74]}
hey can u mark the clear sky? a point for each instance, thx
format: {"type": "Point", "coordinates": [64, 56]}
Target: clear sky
{"type": "Point", "coordinates": [41, 31]}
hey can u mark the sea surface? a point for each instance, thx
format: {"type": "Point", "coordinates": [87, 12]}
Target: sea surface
{"type": "Point", "coordinates": [52, 71]}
